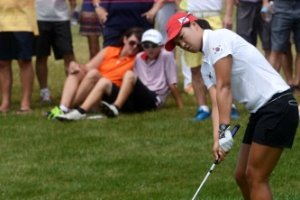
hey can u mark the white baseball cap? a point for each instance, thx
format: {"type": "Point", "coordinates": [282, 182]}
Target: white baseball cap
{"type": "Point", "coordinates": [152, 35]}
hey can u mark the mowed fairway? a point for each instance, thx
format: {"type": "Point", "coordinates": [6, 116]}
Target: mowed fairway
{"type": "Point", "coordinates": [160, 155]}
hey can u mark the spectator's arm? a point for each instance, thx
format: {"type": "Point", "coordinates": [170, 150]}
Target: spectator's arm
{"type": "Point", "coordinates": [150, 14]}
{"type": "Point", "coordinates": [95, 62]}
{"type": "Point", "coordinates": [101, 12]}
{"type": "Point", "coordinates": [176, 95]}
{"type": "Point", "coordinates": [227, 21]}
{"type": "Point", "coordinates": [177, 3]}
{"type": "Point", "coordinates": [72, 5]}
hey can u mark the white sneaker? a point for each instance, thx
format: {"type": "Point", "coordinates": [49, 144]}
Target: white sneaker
{"type": "Point", "coordinates": [110, 110]}
{"type": "Point", "coordinates": [46, 97]}
{"type": "Point", "coordinates": [74, 115]}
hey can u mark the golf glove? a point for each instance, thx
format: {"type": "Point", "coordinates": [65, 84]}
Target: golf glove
{"type": "Point", "coordinates": [225, 140]}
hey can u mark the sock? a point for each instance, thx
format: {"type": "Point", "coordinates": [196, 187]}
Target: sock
{"type": "Point", "coordinates": [82, 111]}
{"type": "Point", "coordinates": [204, 108]}
{"type": "Point", "coordinates": [117, 107]}
{"type": "Point", "coordinates": [64, 108]}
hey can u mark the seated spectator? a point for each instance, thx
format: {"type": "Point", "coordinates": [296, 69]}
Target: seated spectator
{"type": "Point", "coordinates": [110, 63]}
{"type": "Point", "coordinates": [147, 88]}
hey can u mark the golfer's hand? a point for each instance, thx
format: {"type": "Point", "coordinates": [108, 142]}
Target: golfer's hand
{"type": "Point", "coordinates": [225, 140]}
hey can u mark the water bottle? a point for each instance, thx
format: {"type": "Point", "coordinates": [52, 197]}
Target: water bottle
{"type": "Point", "coordinates": [268, 11]}
{"type": "Point", "coordinates": [75, 16]}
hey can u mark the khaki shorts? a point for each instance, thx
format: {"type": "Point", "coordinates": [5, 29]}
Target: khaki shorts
{"type": "Point", "coordinates": [195, 59]}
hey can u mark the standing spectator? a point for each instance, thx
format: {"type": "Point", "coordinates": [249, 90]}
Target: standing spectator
{"type": "Point", "coordinates": [54, 26]}
{"type": "Point", "coordinates": [117, 16]}
{"type": "Point", "coordinates": [249, 24]}
{"type": "Point", "coordinates": [90, 26]}
{"type": "Point", "coordinates": [191, 62]}
{"type": "Point", "coordinates": [17, 29]}
{"type": "Point", "coordinates": [285, 19]}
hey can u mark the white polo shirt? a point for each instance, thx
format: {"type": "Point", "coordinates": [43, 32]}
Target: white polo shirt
{"type": "Point", "coordinates": [253, 80]}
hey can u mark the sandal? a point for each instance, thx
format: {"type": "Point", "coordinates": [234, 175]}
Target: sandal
{"type": "Point", "coordinates": [23, 111]}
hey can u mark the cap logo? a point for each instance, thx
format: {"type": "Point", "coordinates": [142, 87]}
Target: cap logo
{"type": "Point", "coordinates": [183, 19]}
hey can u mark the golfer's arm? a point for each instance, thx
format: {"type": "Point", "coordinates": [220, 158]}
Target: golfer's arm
{"type": "Point", "coordinates": [215, 113]}
{"type": "Point", "coordinates": [223, 88]}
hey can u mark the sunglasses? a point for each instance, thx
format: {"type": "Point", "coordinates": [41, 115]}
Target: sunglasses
{"type": "Point", "coordinates": [149, 45]}
{"type": "Point", "coordinates": [132, 43]}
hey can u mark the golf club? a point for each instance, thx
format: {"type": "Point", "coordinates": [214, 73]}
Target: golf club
{"type": "Point", "coordinates": [235, 129]}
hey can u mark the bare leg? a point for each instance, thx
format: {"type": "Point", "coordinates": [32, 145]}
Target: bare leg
{"type": "Point", "coordinates": [103, 86]}
{"type": "Point", "coordinates": [267, 54]}
{"type": "Point", "coordinates": [86, 86]}
{"type": "Point", "coordinates": [27, 79]}
{"type": "Point", "coordinates": [67, 60]}
{"type": "Point", "coordinates": [262, 161]}
{"type": "Point", "coordinates": [199, 86]}
{"type": "Point", "coordinates": [5, 84]}
{"type": "Point", "coordinates": [70, 87]}
{"type": "Point", "coordinates": [297, 70]}
{"type": "Point", "coordinates": [287, 66]}
{"type": "Point", "coordinates": [240, 171]}
{"type": "Point", "coordinates": [275, 60]}
{"type": "Point", "coordinates": [129, 80]}
{"type": "Point", "coordinates": [94, 46]}
{"type": "Point", "coordinates": [42, 71]}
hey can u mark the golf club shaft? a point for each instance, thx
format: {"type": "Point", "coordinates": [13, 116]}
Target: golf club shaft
{"type": "Point", "coordinates": [234, 130]}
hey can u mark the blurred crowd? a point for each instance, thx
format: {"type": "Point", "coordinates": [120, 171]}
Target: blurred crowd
{"type": "Point", "coordinates": [131, 71]}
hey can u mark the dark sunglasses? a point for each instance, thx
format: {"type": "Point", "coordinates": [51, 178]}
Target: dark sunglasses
{"type": "Point", "coordinates": [132, 43]}
{"type": "Point", "coordinates": [150, 45]}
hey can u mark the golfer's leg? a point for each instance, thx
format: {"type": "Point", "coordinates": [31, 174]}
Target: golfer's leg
{"type": "Point", "coordinates": [240, 171]}
{"type": "Point", "coordinates": [262, 161]}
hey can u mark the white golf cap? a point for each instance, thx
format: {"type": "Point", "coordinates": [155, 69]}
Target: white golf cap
{"type": "Point", "coordinates": [152, 35]}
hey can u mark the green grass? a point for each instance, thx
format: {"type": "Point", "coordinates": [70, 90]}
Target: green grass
{"type": "Point", "coordinates": [154, 155]}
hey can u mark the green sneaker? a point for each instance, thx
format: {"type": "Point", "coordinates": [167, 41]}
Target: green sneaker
{"type": "Point", "coordinates": [54, 113]}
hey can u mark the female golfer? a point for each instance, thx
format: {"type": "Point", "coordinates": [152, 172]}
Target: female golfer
{"type": "Point", "coordinates": [233, 69]}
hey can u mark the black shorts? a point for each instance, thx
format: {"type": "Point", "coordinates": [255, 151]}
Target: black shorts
{"type": "Point", "coordinates": [16, 45]}
{"type": "Point", "coordinates": [56, 35]}
{"type": "Point", "coordinates": [275, 123]}
{"type": "Point", "coordinates": [141, 99]}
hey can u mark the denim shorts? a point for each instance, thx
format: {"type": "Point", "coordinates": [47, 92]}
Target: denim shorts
{"type": "Point", "coordinates": [275, 123]}
{"type": "Point", "coordinates": [286, 18]}
{"type": "Point", "coordinates": [16, 45]}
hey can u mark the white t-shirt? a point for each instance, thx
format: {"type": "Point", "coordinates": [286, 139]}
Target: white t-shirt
{"type": "Point", "coordinates": [201, 5]}
{"type": "Point", "coordinates": [52, 10]}
{"type": "Point", "coordinates": [158, 74]}
{"type": "Point", "coordinates": [253, 80]}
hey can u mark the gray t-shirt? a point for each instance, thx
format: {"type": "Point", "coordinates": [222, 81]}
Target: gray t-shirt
{"type": "Point", "coordinates": [52, 10]}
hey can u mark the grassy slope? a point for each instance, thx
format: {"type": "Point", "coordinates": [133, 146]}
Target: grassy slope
{"type": "Point", "coordinates": [154, 155]}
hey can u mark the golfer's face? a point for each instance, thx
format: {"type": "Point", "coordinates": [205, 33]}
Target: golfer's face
{"type": "Point", "coordinates": [189, 38]}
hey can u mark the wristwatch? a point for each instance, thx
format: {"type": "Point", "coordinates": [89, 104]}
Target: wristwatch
{"type": "Point", "coordinates": [97, 5]}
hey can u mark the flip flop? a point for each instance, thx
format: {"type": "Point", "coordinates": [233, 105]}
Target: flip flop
{"type": "Point", "coordinates": [23, 111]}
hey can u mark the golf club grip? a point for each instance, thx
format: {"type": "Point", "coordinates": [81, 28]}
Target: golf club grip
{"type": "Point", "coordinates": [235, 129]}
